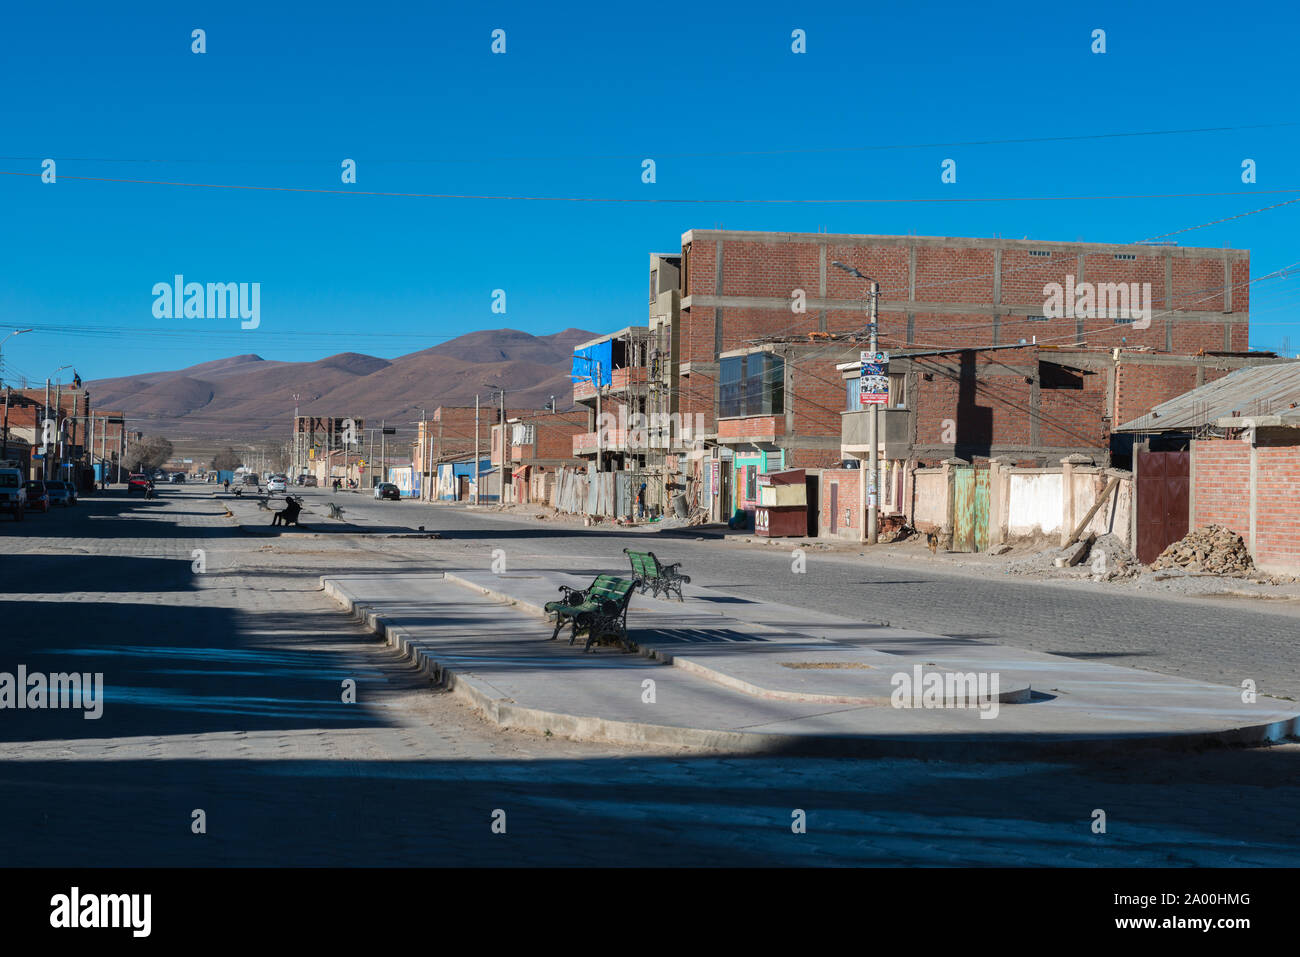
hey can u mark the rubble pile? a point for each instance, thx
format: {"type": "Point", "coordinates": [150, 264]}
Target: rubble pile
{"type": "Point", "coordinates": [1109, 559]}
{"type": "Point", "coordinates": [1212, 549]}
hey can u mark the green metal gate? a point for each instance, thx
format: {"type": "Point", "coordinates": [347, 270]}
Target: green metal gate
{"type": "Point", "coordinates": [970, 509]}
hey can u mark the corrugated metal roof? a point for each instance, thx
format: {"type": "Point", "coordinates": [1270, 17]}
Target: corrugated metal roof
{"type": "Point", "coordinates": [1259, 390]}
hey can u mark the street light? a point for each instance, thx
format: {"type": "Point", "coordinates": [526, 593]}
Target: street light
{"type": "Point", "coordinates": [868, 494]}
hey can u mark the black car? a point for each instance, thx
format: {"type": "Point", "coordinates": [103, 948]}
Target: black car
{"type": "Point", "coordinates": [388, 490]}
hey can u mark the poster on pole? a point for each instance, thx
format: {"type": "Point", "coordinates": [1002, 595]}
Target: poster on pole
{"type": "Point", "coordinates": [873, 381]}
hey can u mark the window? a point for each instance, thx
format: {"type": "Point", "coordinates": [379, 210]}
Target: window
{"type": "Point", "coordinates": [1043, 253]}
{"type": "Point", "coordinates": [897, 393]}
{"type": "Point", "coordinates": [731, 372]}
{"type": "Point", "coordinates": [654, 282]}
{"type": "Point", "coordinates": [1125, 256]}
{"type": "Point", "coordinates": [753, 384]}
{"type": "Point", "coordinates": [1054, 376]}
{"type": "Point", "coordinates": [751, 483]}
{"type": "Point", "coordinates": [1036, 318]}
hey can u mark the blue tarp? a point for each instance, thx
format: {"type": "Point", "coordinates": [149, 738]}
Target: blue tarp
{"type": "Point", "coordinates": [586, 360]}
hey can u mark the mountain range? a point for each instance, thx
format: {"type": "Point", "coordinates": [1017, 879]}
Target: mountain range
{"type": "Point", "coordinates": [246, 399]}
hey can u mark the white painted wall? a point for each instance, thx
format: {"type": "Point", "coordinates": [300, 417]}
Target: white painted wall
{"type": "Point", "coordinates": [1035, 503]}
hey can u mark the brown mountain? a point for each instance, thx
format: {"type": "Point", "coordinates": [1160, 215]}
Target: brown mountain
{"type": "Point", "coordinates": [246, 400]}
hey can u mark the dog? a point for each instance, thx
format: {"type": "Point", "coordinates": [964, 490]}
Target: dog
{"type": "Point", "coordinates": [289, 514]}
{"type": "Point", "coordinates": [932, 540]}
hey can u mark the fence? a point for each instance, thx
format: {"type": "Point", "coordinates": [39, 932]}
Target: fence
{"type": "Point", "coordinates": [1023, 502]}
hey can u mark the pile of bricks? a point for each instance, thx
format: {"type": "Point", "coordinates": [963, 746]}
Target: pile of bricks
{"type": "Point", "coordinates": [1211, 548]}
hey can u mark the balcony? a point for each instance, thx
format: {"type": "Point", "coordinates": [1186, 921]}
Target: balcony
{"type": "Point", "coordinates": [619, 381]}
{"type": "Point", "coordinates": [586, 443]}
{"type": "Point", "coordinates": [894, 435]}
{"type": "Point", "coordinates": [750, 428]}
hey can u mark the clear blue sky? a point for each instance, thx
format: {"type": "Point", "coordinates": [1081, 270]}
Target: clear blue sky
{"type": "Point", "coordinates": [413, 93]}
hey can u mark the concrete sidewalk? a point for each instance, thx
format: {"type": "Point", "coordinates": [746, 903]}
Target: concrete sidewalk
{"type": "Point", "coordinates": [725, 673]}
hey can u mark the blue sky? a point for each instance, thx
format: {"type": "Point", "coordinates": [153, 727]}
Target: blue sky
{"type": "Point", "coordinates": [583, 93]}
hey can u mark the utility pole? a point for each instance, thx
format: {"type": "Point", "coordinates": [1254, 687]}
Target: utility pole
{"type": "Point", "coordinates": [424, 453]}
{"type": "Point", "coordinates": [296, 440]}
{"type": "Point", "coordinates": [867, 484]}
{"type": "Point", "coordinates": [873, 436]}
{"type": "Point", "coordinates": [505, 451]}
{"type": "Point", "coordinates": [600, 445]}
{"type": "Point", "coordinates": [383, 447]}
{"type": "Point", "coordinates": [475, 466]}
{"type": "Point", "coordinates": [45, 445]}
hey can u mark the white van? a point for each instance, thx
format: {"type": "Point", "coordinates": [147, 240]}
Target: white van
{"type": "Point", "coordinates": [13, 497]}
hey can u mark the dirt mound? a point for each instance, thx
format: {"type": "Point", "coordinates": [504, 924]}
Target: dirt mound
{"type": "Point", "coordinates": [1211, 548]}
{"type": "Point", "coordinates": [1110, 559]}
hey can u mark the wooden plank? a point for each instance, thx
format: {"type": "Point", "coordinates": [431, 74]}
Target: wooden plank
{"type": "Point", "coordinates": [1101, 499]}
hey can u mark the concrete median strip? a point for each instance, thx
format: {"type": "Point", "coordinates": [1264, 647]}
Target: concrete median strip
{"type": "Point", "coordinates": [766, 678]}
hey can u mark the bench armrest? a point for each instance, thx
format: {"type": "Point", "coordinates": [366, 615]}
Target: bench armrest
{"type": "Point", "coordinates": [572, 596]}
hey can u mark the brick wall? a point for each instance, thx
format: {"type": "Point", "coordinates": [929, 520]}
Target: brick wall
{"type": "Point", "coordinates": [1002, 286]}
{"type": "Point", "coordinates": [846, 504]}
{"type": "Point", "coordinates": [984, 400]}
{"type": "Point", "coordinates": [1277, 506]}
{"type": "Point", "coordinates": [1222, 495]}
{"type": "Point", "coordinates": [1222, 484]}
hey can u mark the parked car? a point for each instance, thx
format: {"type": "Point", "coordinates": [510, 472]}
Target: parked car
{"type": "Point", "coordinates": [159, 476]}
{"type": "Point", "coordinates": [38, 496]}
{"type": "Point", "coordinates": [178, 478]}
{"type": "Point", "coordinates": [388, 490]}
{"type": "Point", "coordinates": [310, 481]}
{"type": "Point", "coordinates": [59, 492]}
{"type": "Point", "coordinates": [72, 490]}
{"type": "Point", "coordinates": [138, 482]}
{"type": "Point", "coordinates": [252, 478]}
{"type": "Point", "coordinates": [277, 483]}
{"type": "Point", "coordinates": [13, 496]}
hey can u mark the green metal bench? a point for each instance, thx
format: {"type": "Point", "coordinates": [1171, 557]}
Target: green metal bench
{"type": "Point", "coordinates": [597, 610]}
{"type": "Point", "coordinates": [649, 572]}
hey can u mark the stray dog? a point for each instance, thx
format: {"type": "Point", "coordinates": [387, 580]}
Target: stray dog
{"type": "Point", "coordinates": [932, 540]}
{"type": "Point", "coordinates": [336, 512]}
{"type": "Point", "coordinates": [289, 514]}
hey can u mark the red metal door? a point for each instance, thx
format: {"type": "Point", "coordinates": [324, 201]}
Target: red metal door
{"type": "Point", "coordinates": [1162, 501]}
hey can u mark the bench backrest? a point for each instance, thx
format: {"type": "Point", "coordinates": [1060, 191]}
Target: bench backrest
{"type": "Point", "coordinates": [643, 563]}
{"type": "Point", "coordinates": [610, 588]}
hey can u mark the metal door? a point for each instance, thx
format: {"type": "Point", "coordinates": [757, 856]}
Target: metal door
{"type": "Point", "coordinates": [970, 509]}
{"type": "Point", "coordinates": [1162, 501]}
{"type": "Point", "coordinates": [835, 507]}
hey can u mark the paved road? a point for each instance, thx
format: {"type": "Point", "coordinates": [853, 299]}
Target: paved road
{"type": "Point", "coordinates": [1220, 640]}
{"type": "Point", "coordinates": [224, 695]}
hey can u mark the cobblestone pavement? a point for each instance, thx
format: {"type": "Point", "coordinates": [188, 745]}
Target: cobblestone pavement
{"type": "Point", "coordinates": [224, 694]}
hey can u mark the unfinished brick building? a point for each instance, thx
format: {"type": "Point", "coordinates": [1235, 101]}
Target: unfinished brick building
{"type": "Point", "coordinates": [760, 321]}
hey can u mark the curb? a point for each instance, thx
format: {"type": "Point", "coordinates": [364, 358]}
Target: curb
{"type": "Point", "coordinates": [508, 715]}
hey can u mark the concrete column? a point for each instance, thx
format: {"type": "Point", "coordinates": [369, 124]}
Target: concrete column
{"type": "Point", "coordinates": [999, 498]}
{"type": "Point", "coordinates": [946, 529]}
{"type": "Point", "coordinates": [1067, 494]}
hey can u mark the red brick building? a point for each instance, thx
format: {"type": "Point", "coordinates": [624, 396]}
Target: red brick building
{"type": "Point", "coordinates": [752, 336]}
